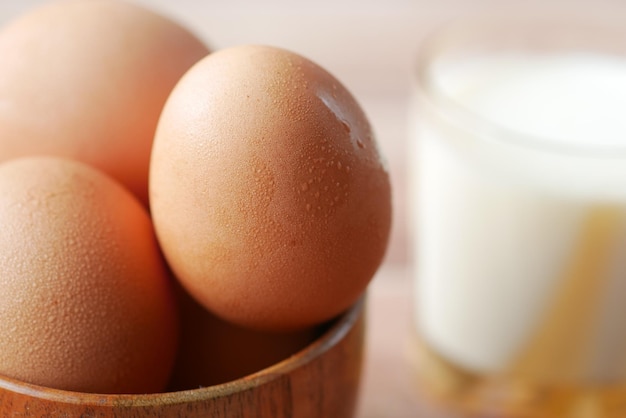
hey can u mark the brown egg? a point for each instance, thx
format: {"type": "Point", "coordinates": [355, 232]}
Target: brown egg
{"type": "Point", "coordinates": [87, 80]}
{"type": "Point", "coordinates": [86, 304]}
{"type": "Point", "coordinates": [267, 189]}
{"type": "Point", "coordinates": [213, 351]}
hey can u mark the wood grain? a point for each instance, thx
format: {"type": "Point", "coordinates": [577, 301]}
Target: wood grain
{"type": "Point", "coordinates": [320, 381]}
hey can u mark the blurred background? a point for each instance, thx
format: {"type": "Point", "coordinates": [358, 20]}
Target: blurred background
{"type": "Point", "coordinates": [369, 45]}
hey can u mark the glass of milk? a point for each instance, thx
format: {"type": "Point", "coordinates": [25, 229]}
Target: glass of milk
{"type": "Point", "coordinates": [519, 156]}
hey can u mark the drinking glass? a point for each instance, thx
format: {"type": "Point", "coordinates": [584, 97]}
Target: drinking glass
{"type": "Point", "coordinates": [519, 214]}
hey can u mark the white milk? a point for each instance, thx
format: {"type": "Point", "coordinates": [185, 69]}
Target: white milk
{"type": "Point", "coordinates": [521, 235]}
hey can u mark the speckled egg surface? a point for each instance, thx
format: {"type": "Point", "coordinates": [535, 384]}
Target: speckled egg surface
{"type": "Point", "coordinates": [267, 190]}
{"type": "Point", "coordinates": [86, 303]}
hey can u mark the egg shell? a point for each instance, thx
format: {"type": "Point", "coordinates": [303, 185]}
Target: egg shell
{"type": "Point", "coordinates": [86, 302]}
{"type": "Point", "coordinates": [87, 80]}
{"type": "Point", "coordinates": [268, 193]}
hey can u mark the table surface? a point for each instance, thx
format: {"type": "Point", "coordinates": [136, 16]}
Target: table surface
{"type": "Point", "coordinates": [389, 388]}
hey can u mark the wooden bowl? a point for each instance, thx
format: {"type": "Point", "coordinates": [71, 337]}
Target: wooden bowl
{"type": "Point", "coordinates": [321, 380]}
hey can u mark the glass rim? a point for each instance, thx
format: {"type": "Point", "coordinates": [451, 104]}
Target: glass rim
{"type": "Point", "coordinates": [463, 117]}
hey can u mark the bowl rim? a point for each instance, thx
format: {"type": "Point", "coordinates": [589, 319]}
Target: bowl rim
{"type": "Point", "coordinates": [337, 331]}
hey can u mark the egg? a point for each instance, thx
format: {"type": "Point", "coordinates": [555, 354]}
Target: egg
{"type": "Point", "coordinates": [267, 190]}
{"type": "Point", "coordinates": [86, 302]}
{"type": "Point", "coordinates": [87, 80]}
